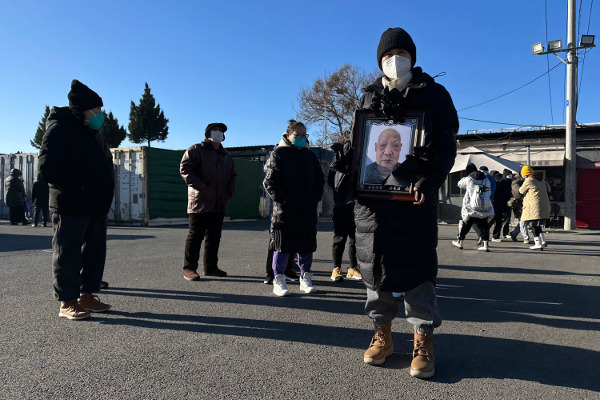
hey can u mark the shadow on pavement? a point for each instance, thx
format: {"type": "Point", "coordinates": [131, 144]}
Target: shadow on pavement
{"type": "Point", "coordinates": [19, 242]}
{"type": "Point", "coordinates": [511, 270]}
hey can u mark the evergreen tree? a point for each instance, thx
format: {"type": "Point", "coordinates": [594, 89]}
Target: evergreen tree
{"type": "Point", "coordinates": [41, 129]}
{"type": "Point", "coordinates": [111, 131]}
{"type": "Point", "coordinates": [146, 121]}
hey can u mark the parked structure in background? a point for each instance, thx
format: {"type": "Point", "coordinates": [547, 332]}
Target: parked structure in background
{"type": "Point", "coordinates": [27, 163]}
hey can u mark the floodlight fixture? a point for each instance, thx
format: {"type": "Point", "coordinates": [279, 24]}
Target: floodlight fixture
{"type": "Point", "coordinates": [586, 41]}
{"type": "Point", "coordinates": [537, 48]}
{"type": "Point", "coordinates": [555, 45]}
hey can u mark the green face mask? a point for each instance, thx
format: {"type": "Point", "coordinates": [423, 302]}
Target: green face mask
{"type": "Point", "coordinates": [95, 122]}
{"type": "Point", "coordinates": [299, 141]}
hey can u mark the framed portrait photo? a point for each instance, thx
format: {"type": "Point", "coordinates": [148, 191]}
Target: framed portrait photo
{"type": "Point", "coordinates": [383, 166]}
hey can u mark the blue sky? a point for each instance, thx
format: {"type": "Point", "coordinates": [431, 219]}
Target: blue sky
{"type": "Point", "coordinates": [243, 63]}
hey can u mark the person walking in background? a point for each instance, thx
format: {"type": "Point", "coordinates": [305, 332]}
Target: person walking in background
{"type": "Point", "coordinates": [14, 197]}
{"type": "Point", "coordinates": [477, 208]}
{"type": "Point", "coordinates": [517, 207]}
{"type": "Point", "coordinates": [536, 204]}
{"type": "Point", "coordinates": [40, 196]}
{"type": "Point", "coordinates": [343, 218]}
{"type": "Point", "coordinates": [208, 170]}
{"type": "Point", "coordinates": [501, 220]}
{"type": "Point", "coordinates": [77, 164]}
{"type": "Point", "coordinates": [294, 180]}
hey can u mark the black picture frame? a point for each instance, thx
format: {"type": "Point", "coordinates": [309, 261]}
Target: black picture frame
{"type": "Point", "coordinates": [380, 170]}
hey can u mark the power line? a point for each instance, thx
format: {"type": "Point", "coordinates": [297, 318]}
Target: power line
{"type": "Point", "coordinates": [548, 62]}
{"type": "Point", "coordinates": [583, 62]}
{"type": "Point", "coordinates": [512, 91]}
{"type": "Point", "coordinates": [501, 123]}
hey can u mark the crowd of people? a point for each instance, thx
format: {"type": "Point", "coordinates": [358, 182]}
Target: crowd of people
{"type": "Point", "coordinates": [490, 199]}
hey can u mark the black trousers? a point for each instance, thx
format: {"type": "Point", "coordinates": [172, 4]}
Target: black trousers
{"type": "Point", "coordinates": [205, 227]}
{"type": "Point", "coordinates": [482, 224]}
{"type": "Point", "coordinates": [43, 210]}
{"type": "Point", "coordinates": [17, 214]}
{"type": "Point", "coordinates": [501, 222]}
{"type": "Point", "coordinates": [339, 243]}
{"type": "Point", "coordinates": [79, 254]}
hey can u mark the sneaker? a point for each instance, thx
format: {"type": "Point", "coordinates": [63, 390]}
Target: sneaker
{"type": "Point", "coordinates": [496, 240]}
{"type": "Point", "coordinates": [422, 365]}
{"type": "Point", "coordinates": [479, 241]}
{"type": "Point", "coordinates": [103, 285]}
{"type": "Point", "coordinates": [306, 283]}
{"type": "Point", "coordinates": [336, 274]}
{"type": "Point", "coordinates": [72, 310]}
{"type": "Point", "coordinates": [268, 279]}
{"type": "Point", "coordinates": [507, 236]}
{"type": "Point", "coordinates": [291, 276]}
{"type": "Point", "coordinates": [513, 237]}
{"type": "Point", "coordinates": [526, 241]}
{"type": "Point", "coordinates": [215, 272]}
{"type": "Point", "coordinates": [190, 275]}
{"type": "Point", "coordinates": [381, 346]}
{"type": "Point", "coordinates": [484, 246]}
{"type": "Point", "coordinates": [92, 303]}
{"type": "Point", "coordinates": [458, 243]}
{"type": "Point", "coordinates": [279, 287]}
{"type": "Point", "coordinates": [354, 273]}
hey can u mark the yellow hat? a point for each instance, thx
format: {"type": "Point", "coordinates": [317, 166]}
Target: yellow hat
{"type": "Point", "coordinates": [526, 171]}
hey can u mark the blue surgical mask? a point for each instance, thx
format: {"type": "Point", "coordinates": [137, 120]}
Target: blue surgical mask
{"type": "Point", "coordinates": [95, 122]}
{"type": "Point", "coordinates": [299, 141]}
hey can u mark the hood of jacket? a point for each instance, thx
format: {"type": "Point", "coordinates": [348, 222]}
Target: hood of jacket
{"type": "Point", "coordinates": [285, 142]}
{"type": "Point", "coordinates": [62, 114]}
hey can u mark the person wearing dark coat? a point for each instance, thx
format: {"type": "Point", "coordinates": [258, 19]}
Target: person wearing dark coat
{"type": "Point", "coordinates": [396, 240]}
{"type": "Point", "coordinates": [14, 197]}
{"type": "Point", "coordinates": [294, 180]}
{"type": "Point", "coordinates": [40, 196]}
{"type": "Point", "coordinates": [77, 164]}
{"type": "Point", "coordinates": [208, 170]}
{"type": "Point", "coordinates": [501, 219]}
{"type": "Point", "coordinates": [343, 218]}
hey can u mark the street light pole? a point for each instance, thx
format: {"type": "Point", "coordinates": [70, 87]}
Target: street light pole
{"type": "Point", "coordinates": [571, 134]}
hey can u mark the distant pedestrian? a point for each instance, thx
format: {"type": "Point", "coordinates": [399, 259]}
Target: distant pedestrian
{"type": "Point", "coordinates": [343, 218]}
{"type": "Point", "coordinates": [208, 170]}
{"type": "Point", "coordinates": [536, 204]}
{"type": "Point", "coordinates": [477, 208]}
{"type": "Point", "coordinates": [501, 219]}
{"type": "Point", "coordinates": [15, 197]}
{"type": "Point", "coordinates": [517, 207]}
{"type": "Point", "coordinates": [294, 180]}
{"type": "Point", "coordinates": [77, 163]}
{"type": "Point", "coordinates": [40, 196]}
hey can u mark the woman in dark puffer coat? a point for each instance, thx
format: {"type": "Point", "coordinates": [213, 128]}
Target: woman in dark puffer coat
{"type": "Point", "coordinates": [294, 180]}
{"type": "Point", "coordinates": [15, 197]}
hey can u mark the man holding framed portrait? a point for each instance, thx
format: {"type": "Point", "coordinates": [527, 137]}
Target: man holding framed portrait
{"type": "Point", "coordinates": [396, 217]}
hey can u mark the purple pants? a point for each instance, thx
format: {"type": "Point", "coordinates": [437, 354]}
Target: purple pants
{"type": "Point", "coordinates": [280, 261]}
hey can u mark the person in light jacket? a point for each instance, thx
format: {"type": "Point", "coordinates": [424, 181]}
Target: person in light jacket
{"type": "Point", "coordinates": [208, 170]}
{"type": "Point", "coordinates": [536, 204]}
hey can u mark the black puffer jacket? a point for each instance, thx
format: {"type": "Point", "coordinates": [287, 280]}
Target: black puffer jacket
{"type": "Point", "coordinates": [77, 164]}
{"type": "Point", "coordinates": [396, 240]}
{"type": "Point", "coordinates": [294, 180]}
{"type": "Point", "coordinates": [40, 193]}
{"type": "Point", "coordinates": [14, 195]}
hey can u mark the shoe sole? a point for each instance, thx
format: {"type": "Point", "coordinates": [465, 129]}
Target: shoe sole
{"type": "Point", "coordinates": [60, 314]}
{"type": "Point", "coordinates": [356, 278]}
{"type": "Point", "coordinates": [97, 310]}
{"type": "Point", "coordinates": [285, 294]}
{"type": "Point", "coordinates": [421, 374]}
{"type": "Point", "coordinates": [374, 361]}
{"type": "Point", "coordinates": [337, 278]}
{"type": "Point", "coordinates": [191, 279]}
{"type": "Point", "coordinates": [458, 247]}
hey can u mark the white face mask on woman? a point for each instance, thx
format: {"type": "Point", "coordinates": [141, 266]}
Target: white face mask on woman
{"type": "Point", "coordinates": [396, 66]}
{"type": "Point", "coordinates": [217, 136]}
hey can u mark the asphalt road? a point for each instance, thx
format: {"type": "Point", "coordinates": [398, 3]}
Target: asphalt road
{"type": "Point", "coordinates": [517, 324]}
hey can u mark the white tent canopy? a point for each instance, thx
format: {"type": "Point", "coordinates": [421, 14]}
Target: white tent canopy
{"type": "Point", "coordinates": [479, 158]}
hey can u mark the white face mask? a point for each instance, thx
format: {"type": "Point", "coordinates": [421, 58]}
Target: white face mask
{"type": "Point", "coordinates": [217, 136]}
{"type": "Point", "coordinates": [396, 66]}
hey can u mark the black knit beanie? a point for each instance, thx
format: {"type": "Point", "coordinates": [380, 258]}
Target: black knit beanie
{"type": "Point", "coordinates": [470, 168]}
{"type": "Point", "coordinates": [396, 38]}
{"type": "Point", "coordinates": [215, 126]}
{"type": "Point", "coordinates": [82, 98]}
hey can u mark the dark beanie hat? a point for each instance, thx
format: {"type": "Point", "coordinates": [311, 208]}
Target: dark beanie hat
{"type": "Point", "coordinates": [396, 38]}
{"type": "Point", "coordinates": [470, 168]}
{"type": "Point", "coordinates": [215, 126]}
{"type": "Point", "coordinates": [82, 97]}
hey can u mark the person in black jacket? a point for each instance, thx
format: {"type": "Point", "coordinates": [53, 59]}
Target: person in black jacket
{"type": "Point", "coordinates": [343, 218]}
{"type": "Point", "coordinates": [14, 197]}
{"type": "Point", "coordinates": [501, 219]}
{"type": "Point", "coordinates": [40, 195]}
{"type": "Point", "coordinates": [294, 180]}
{"type": "Point", "coordinates": [396, 240]}
{"type": "Point", "coordinates": [77, 164]}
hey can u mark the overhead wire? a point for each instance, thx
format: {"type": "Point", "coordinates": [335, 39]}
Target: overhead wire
{"type": "Point", "coordinates": [585, 52]}
{"type": "Point", "coordinates": [548, 62]}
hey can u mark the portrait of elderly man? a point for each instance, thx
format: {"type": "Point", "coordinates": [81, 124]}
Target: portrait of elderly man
{"type": "Point", "coordinates": [387, 154]}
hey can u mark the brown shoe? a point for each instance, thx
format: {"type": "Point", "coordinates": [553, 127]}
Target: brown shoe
{"type": "Point", "coordinates": [381, 346]}
{"type": "Point", "coordinates": [72, 310]}
{"type": "Point", "coordinates": [422, 365]}
{"type": "Point", "coordinates": [190, 275]}
{"type": "Point", "coordinates": [92, 303]}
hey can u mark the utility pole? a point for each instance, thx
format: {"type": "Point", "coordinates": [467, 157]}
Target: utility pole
{"type": "Point", "coordinates": [570, 127]}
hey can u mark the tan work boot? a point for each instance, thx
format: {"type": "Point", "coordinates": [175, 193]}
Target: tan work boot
{"type": "Point", "coordinates": [422, 365]}
{"type": "Point", "coordinates": [354, 273]}
{"type": "Point", "coordinates": [92, 303]}
{"type": "Point", "coordinates": [381, 346]}
{"type": "Point", "coordinates": [72, 310]}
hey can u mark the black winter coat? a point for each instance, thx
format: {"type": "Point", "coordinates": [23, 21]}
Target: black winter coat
{"type": "Point", "coordinates": [396, 241]}
{"type": "Point", "coordinates": [294, 180]}
{"type": "Point", "coordinates": [14, 195]}
{"type": "Point", "coordinates": [502, 195]}
{"type": "Point", "coordinates": [40, 193]}
{"type": "Point", "coordinates": [77, 164]}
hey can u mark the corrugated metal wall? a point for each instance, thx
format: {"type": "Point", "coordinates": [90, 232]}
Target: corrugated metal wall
{"type": "Point", "coordinates": [129, 203]}
{"type": "Point", "coordinates": [248, 190]}
{"type": "Point", "coordinates": [167, 192]}
{"type": "Point", "coordinates": [28, 164]}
